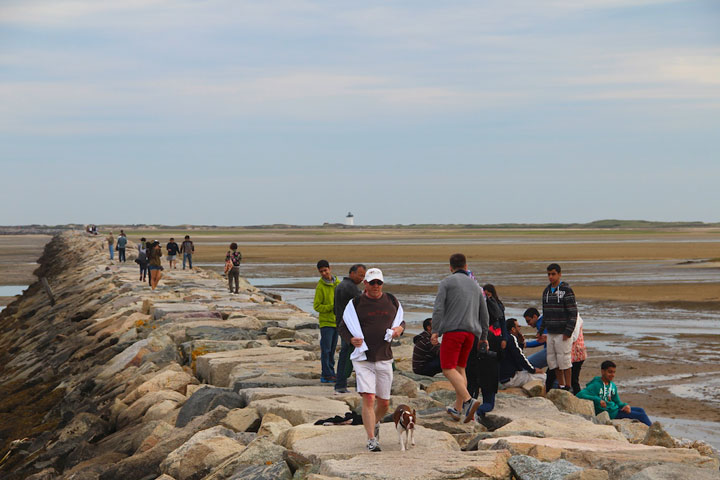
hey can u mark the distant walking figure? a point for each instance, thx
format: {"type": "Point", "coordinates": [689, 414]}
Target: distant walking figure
{"type": "Point", "coordinates": [121, 244]}
{"type": "Point", "coordinates": [187, 249]}
{"type": "Point", "coordinates": [234, 257]}
{"type": "Point", "coordinates": [111, 245]}
{"type": "Point", "coordinates": [172, 252]}
{"type": "Point", "coordinates": [142, 259]}
{"type": "Point", "coordinates": [154, 256]}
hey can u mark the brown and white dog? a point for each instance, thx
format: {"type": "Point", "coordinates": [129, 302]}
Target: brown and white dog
{"type": "Point", "coordinates": [405, 419]}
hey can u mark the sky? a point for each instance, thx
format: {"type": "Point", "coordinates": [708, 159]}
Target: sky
{"type": "Point", "coordinates": [234, 112]}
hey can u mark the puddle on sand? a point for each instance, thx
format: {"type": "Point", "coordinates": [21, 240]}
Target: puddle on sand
{"type": "Point", "coordinates": [11, 290]}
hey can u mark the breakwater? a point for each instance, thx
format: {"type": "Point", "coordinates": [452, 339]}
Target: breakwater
{"type": "Point", "coordinates": [102, 378]}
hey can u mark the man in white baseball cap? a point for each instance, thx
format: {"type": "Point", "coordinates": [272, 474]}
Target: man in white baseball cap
{"type": "Point", "coordinates": [370, 322]}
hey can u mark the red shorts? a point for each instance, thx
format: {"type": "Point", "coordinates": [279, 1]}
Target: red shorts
{"type": "Point", "coordinates": [455, 348]}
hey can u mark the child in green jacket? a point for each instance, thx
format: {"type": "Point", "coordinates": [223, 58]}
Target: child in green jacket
{"type": "Point", "coordinates": [603, 393]}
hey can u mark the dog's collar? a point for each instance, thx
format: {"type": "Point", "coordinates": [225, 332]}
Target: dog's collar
{"type": "Point", "coordinates": [403, 423]}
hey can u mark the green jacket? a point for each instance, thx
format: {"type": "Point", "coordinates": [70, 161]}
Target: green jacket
{"type": "Point", "coordinates": [596, 390]}
{"type": "Point", "coordinates": [324, 302]}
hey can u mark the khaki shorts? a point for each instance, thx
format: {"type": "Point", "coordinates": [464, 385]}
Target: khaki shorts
{"type": "Point", "coordinates": [374, 377]}
{"type": "Point", "coordinates": [559, 352]}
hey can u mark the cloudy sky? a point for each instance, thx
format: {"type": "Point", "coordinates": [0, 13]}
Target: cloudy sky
{"type": "Point", "coordinates": [235, 112]}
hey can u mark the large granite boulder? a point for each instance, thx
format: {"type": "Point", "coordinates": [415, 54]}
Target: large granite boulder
{"type": "Point", "coordinates": [298, 410]}
{"type": "Point", "coordinates": [528, 468]}
{"type": "Point", "coordinates": [205, 399]}
{"type": "Point", "coordinates": [203, 451]}
{"type": "Point", "coordinates": [569, 403]}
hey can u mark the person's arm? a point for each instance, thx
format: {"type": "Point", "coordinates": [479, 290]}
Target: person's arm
{"type": "Point", "coordinates": [571, 311]}
{"type": "Point", "coordinates": [192, 247]}
{"type": "Point", "coordinates": [438, 314]}
{"type": "Point", "coordinates": [590, 393]}
{"type": "Point", "coordinates": [182, 247]}
{"type": "Point", "coordinates": [484, 318]}
{"type": "Point", "coordinates": [534, 343]}
{"type": "Point", "coordinates": [318, 304]}
{"type": "Point", "coordinates": [616, 400]}
{"type": "Point", "coordinates": [342, 328]}
{"type": "Point", "coordinates": [518, 356]}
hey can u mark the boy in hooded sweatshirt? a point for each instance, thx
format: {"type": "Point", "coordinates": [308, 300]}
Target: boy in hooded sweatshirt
{"type": "Point", "coordinates": [603, 393]}
{"type": "Point", "coordinates": [324, 304]}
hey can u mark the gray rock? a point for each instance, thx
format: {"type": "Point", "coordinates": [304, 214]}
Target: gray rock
{"type": "Point", "coordinates": [446, 397]}
{"type": "Point", "coordinates": [206, 399]}
{"type": "Point", "coordinates": [657, 436]}
{"type": "Point", "coordinates": [603, 418]}
{"type": "Point", "coordinates": [529, 468]}
{"type": "Point", "coordinates": [276, 471]}
{"type": "Point", "coordinates": [275, 333]}
{"type": "Point", "coordinates": [402, 385]}
{"type": "Point", "coordinates": [569, 403]}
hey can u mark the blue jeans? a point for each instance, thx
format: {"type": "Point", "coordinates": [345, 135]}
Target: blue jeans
{"type": "Point", "coordinates": [539, 359]}
{"type": "Point", "coordinates": [488, 404]}
{"type": "Point", "coordinates": [187, 256]}
{"type": "Point", "coordinates": [328, 343]}
{"type": "Point", "coordinates": [636, 413]}
{"type": "Point", "coordinates": [121, 255]}
{"type": "Point", "coordinates": [430, 369]}
{"type": "Point", "coordinates": [344, 365]}
{"type": "Point", "coordinates": [112, 251]}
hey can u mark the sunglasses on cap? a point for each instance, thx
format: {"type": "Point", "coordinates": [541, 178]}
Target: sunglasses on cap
{"type": "Point", "coordinates": [375, 282]}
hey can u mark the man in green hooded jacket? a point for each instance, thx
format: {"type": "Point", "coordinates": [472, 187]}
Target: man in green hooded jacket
{"type": "Point", "coordinates": [604, 395]}
{"type": "Point", "coordinates": [324, 304]}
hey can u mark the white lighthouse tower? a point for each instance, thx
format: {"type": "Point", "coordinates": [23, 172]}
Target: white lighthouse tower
{"type": "Point", "coordinates": [349, 219]}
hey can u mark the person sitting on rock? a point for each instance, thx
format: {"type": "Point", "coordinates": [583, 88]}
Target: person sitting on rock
{"type": "Point", "coordinates": [604, 395]}
{"type": "Point", "coordinates": [426, 356]}
{"type": "Point", "coordinates": [515, 369]}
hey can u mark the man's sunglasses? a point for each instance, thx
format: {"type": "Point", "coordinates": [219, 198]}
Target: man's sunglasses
{"type": "Point", "coordinates": [375, 282]}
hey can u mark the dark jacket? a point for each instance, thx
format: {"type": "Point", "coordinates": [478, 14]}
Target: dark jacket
{"type": "Point", "coordinates": [496, 311]}
{"type": "Point", "coordinates": [513, 361]}
{"type": "Point", "coordinates": [559, 309]}
{"type": "Point", "coordinates": [344, 292]}
{"type": "Point", "coordinates": [423, 352]}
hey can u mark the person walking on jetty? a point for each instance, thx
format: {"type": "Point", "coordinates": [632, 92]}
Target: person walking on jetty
{"type": "Point", "coordinates": [187, 249]}
{"type": "Point", "coordinates": [370, 322]}
{"type": "Point", "coordinates": [346, 290]}
{"type": "Point", "coordinates": [559, 317]}
{"type": "Point", "coordinates": [121, 244]}
{"type": "Point", "coordinates": [459, 314]}
{"type": "Point", "coordinates": [604, 395]}
{"type": "Point", "coordinates": [155, 265]}
{"type": "Point", "coordinates": [111, 245]}
{"type": "Point", "coordinates": [324, 303]}
{"type": "Point", "coordinates": [172, 252]}
{"type": "Point", "coordinates": [234, 257]}
{"type": "Point", "coordinates": [142, 259]}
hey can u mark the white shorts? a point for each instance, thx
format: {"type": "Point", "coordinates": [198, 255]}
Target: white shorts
{"type": "Point", "coordinates": [374, 377]}
{"type": "Point", "coordinates": [559, 352]}
{"type": "Point", "coordinates": [521, 378]}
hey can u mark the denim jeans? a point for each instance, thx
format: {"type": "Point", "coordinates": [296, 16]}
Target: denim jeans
{"type": "Point", "coordinates": [187, 256]}
{"type": "Point", "coordinates": [636, 413]}
{"type": "Point", "coordinates": [112, 251]}
{"type": "Point", "coordinates": [328, 343]}
{"type": "Point", "coordinates": [344, 365]}
{"type": "Point", "coordinates": [539, 359]}
{"type": "Point", "coordinates": [121, 254]}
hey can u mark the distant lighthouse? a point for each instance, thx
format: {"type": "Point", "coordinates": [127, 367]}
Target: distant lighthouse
{"type": "Point", "coordinates": [349, 219]}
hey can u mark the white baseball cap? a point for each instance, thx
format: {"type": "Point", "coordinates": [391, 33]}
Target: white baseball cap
{"type": "Point", "coordinates": [374, 274]}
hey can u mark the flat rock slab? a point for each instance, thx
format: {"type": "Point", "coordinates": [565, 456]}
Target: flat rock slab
{"type": "Point", "coordinates": [215, 368]}
{"type": "Point", "coordinates": [159, 310]}
{"type": "Point", "coordinates": [621, 459]}
{"type": "Point", "coordinates": [417, 464]}
{"type": "Point", "coordinates": [299, 410]}
{"type": "Point", "coordinates": [325, 391]}
{"type": "Point", "coordinates": [347, 441]}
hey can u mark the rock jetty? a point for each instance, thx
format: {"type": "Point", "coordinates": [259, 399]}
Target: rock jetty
{"type": "Point", "coordinates": [105, 379]}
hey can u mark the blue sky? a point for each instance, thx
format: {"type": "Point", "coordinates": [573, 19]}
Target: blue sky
{"type": "Point", "coordinates": [242, 113]}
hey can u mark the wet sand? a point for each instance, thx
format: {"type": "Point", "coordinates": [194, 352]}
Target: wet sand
{"type": "Point", "coordinates": [665, 375]}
